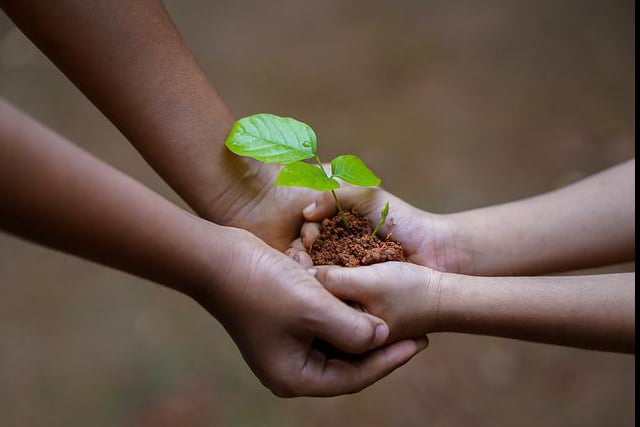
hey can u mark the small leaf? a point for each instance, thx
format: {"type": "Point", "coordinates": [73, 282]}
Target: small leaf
{"type": "Point", "coordinates": [354, 171]}
{"type": "Point", "coordinates": [301, 174]}
{"type": "Point", "coordinates": [385, 212]}
{"type": "Point", "coordinates": [383, 218]}
{"type": "Point", "coordinates": [272, 139]}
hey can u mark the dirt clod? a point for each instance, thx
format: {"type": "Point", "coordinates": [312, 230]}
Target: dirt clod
{"type": "Point", "coordinates": [353, 246]}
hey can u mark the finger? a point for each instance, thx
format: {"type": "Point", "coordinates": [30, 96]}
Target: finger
{"type": "Point", "coordinates": [322, 208]}
{"type": "Point", "coordinates": [301, 257]}
{"type": "Point", "coordinates": [345, 328]}
{"type": "Point", "coordinates": [297, 245]}
{"type": "Point", "coordinates": [333, 377]}
{"type": "Point", "coordinates": [309, 233]}
{"type": "Point", "coordinates": [351, 284]}
{"type": "Point", "coordinates": [291, 252]}
{"type": "Point", "coordinates": [304, 259]}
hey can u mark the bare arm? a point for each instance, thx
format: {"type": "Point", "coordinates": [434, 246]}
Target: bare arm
{"type": "Point", "coordinates": [593, 312]}
{"type": "Point", "coordinates": [130, 61]}
{"type": "Point", "coordinates": [57, 194]}
{"type": "Point", "coordinates": [54, 193]}
{"type": "Point", "coordinates": [588, 224]}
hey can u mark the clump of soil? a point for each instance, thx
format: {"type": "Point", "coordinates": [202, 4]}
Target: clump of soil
{"type": "Point", "coordinates": [353, 246]}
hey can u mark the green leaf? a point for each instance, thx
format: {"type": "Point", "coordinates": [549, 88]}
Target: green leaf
{"type": "Point", "coordinates": [300, 174]}
{"type": "Point", "coordinates": [272, 139]}
{"type": "Point", "coordinates": [385, 212]}
{"type": "Point", "coordinates": [383, 218]}
{"type": "Point", "coordinates": [354, 171]}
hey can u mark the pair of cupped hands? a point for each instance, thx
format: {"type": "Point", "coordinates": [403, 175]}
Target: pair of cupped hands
{"type": "Point", "coordinates": [281, 312]}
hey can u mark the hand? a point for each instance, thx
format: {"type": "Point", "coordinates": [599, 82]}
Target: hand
{"type": "Point", "coordinates": [275, 311]}
{"type": "Point", "coordinates": [405, 295]}
{"type": "Point", "coordinates": [429, 239]}
{"type": "Point", "coordinates": [272, 213]}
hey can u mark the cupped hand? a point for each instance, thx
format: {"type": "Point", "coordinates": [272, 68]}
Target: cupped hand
{"type": "Point", "coordinates": [405, 295]}
{"type": "Point", "coordinates": [275, 312]}
{"type": "Point", "coordinates": [428, 239]}
{"type": "Point", "coordinates": [274, 214]}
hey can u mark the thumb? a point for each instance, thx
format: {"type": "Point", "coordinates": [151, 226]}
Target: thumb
{"type": "Point", "coordinates": [347, 329]}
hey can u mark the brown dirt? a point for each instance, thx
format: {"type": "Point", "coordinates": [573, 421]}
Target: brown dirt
{"type": "Point", "coordinates": [353, 246]}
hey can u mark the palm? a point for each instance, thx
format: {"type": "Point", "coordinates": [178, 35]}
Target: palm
{"type": "Point", "coordinates": [421, 234]}
{"type": "Point", "coordinates": [426, 237]}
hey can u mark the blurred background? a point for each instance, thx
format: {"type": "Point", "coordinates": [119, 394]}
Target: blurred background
{"type": "Point", "coordinates": [456, 104]}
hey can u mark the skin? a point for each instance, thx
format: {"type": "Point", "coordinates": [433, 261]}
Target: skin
{"type": "Point", "coordinates": [587, 224]}
{"type": "Point", "coordinates": [593, 312]}
{"type": "Point", "coordinates": [131, 62]}
{"type": "Point", "coordinates": [133, 65]}
{"type": "Point", "coordinates": [53, 193]}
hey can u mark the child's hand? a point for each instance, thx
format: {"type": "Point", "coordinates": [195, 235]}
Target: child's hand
{"type": "Point", "coordinates": [274, 311]}
{"type": "Point", "coordinates": [406, 296]}
{"type": "Point", "coordinates": [428, 238]}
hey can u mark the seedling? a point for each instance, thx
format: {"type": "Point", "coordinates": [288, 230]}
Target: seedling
{"type": "Point", "coordinates": [283, 140]}
{"type": "Point", "coordinates": [383, 218]}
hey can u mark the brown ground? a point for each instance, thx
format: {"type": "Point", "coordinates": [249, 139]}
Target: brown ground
{"type": "Point", "coordinates": [454, 104]}
{"type": "Point", "coordinates": [353, 245]}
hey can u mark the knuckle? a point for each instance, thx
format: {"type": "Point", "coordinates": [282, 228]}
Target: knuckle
{"type": "Point", "coordinates": [282, 390]}
{"type": "Point", "coordinates": [281, 385]}
{"type": "Point", "coordinates": [361, 333]}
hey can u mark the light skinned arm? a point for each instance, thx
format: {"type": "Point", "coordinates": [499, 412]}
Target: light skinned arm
{"type": "Point", "coordinates": [590, 223]}
{"type": "Point", "coordinates": [128, 58]}
{"type": "Point", "coordinates": [586, 224]}
{"type": "Point", "coordinates": [593, 312]}
{"type": "Point", "coordinates": [53, 193]}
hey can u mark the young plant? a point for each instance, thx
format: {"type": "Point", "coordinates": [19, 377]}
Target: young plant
{"type": "Point", "coordinates": [383, 218]}
{"type": "Point", "coordinates": [283, 140]}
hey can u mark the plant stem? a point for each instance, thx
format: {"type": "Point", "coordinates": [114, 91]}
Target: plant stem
{"type": "Point", "coordinates": [375, 230]}
{"type": "Point", "coordinates": [343, 216]}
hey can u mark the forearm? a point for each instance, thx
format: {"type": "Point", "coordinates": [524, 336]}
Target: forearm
{"type": "Point", "coordinates": [56, 194]}
{"type": "Point", "coordinates": [130, 60]}
{"type": "Point", "coordinates": [594, 312]}
{"type": "Point", "coordinates": [587, 224]}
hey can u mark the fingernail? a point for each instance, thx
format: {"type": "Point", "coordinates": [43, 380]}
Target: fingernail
{"type": "Point", "coordinates": [312, 271]}
{"type": "Point", "coordinates": [422, 343]}
{"type": "Point", "coordinates": [309, 209]}
{"type": "Point", "coordinates": [380, 335]}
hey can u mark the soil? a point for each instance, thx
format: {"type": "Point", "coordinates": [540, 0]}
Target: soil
{"type": "Point", "coordinates": [353, 246]}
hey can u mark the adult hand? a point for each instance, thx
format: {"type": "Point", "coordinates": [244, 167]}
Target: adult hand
{"type": "Point", "coordinates": [272, 213]}
{"type": "Point", "coordinates": [275, 312]}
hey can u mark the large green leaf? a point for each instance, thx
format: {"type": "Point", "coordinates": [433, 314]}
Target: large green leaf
{"type": "Point", "coordinates": [354, 171]}
{"type": "Point", "coordinates": [300, 174]}
{"type": "Point", "coordinates": [272, 139]}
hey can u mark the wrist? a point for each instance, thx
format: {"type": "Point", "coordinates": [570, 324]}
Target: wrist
{"type": "Point", "coordinates": [212, 252]}
{"type": "Point", "coordinates": [447, 245]}
{"type": "Point", "coordinates": [448, 303]}
{"type": "Point", "coordinates": [243, 180]}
